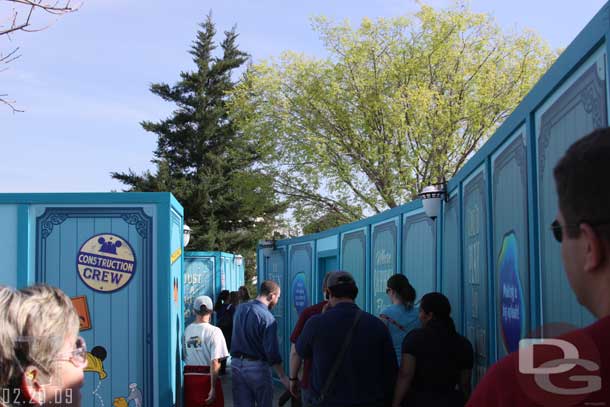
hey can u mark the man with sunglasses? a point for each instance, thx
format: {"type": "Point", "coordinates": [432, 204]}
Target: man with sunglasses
{"type": "Point", "coordinates": [573, 369]}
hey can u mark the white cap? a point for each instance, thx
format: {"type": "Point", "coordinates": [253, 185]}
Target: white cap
{"type": "Point", "coordinates": [203, 300]}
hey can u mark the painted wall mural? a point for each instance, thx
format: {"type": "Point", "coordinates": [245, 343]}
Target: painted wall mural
{"type": "Point", "coordinates": [512, 308]}
{"type": "Point", "coordinates": [198, 280]}
{"type": "Point", "coordinates": [384, 262]}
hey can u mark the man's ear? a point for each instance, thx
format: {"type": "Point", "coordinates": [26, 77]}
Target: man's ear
{"type": "Point", "coordinates": [594, 248]}
{"type": "Point", "coordinates": [32, 385]}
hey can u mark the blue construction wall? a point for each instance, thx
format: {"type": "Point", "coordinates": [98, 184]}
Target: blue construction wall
{"type": "Point", "coordinates": [491, 250]}
{"type": "Point", "coordinates": [119, 257]}
{"type": "Point", "coordinates": [208, 273]}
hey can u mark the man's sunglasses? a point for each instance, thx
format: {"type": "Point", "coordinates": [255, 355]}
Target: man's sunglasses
{"type": "Point", "coordinates": [557, 229]}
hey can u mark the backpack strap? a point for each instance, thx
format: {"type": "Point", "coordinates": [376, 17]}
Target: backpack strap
{"type": "Point", "coordinates": [393, 322]}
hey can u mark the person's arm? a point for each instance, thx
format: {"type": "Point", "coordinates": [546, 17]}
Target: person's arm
{"type": "Point", "coordinates": [272, 350]}
{"type": "Point", "coordinates": [214, 369]}
{"type": "Point", "coordinates": [293, 371]}
{"type": "Point", "coordinates": [405, 376]}
{"type": "Point", "coordinates": [279, 370]}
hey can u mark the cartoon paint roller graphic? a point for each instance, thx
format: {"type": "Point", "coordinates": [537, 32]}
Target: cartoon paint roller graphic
{"type": "Point", "coordinates": [95, 360]}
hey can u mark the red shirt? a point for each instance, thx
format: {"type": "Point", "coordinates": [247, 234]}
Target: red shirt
{"type": "Point", "coordinates": [505, 385]}
{"type": "Point", "coordinates": [296, 332]}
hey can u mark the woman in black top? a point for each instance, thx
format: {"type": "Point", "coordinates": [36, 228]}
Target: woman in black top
{"type": "Point", "coordinates": [436, 360]}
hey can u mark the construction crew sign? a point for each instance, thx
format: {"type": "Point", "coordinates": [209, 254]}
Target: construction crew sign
{"type": "Point", "coordinates": [106, 262]}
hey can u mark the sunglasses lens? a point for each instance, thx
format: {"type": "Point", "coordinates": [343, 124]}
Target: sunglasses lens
{"type": "Point", "coordinates": [557, 232]}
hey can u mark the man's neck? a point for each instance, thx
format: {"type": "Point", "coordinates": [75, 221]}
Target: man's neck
{"type": "Point", "coordinates": [334, 301]}
{"type": "Point", "coordinates": [203, 319]}
{"type": "Point", "coordinates": [263, 299]}
{"type": "Point", "coordinates": [600, 304]}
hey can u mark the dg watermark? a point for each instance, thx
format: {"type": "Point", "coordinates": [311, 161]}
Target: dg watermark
{"type": "Point", "coordinates": [564, 371]}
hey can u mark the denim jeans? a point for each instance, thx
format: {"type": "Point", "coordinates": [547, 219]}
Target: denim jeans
{"type": "Point", "coordinates": [252, 383]}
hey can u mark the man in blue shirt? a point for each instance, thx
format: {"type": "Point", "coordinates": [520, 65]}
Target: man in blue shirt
{"type": "Point", "coordinates": [255, 349]}
{"type": "Point", "coordinates": [367, 372]}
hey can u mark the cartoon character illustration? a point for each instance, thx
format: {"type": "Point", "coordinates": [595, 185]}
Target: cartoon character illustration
{"type": "Point", "coordinates": [135, 395]}
{"type": "Point", "coordinates": [95, 360]}
{"type": "Point", "coordinates": [120, 402]}
{"type": "Point", "coordinates": [194, 342]}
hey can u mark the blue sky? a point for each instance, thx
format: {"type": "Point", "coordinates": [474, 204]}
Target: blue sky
{"type": "Point", "coordinates": [83, 82]}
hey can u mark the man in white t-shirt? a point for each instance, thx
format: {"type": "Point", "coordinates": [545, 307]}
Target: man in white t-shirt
{"type": "Point", "coordinates": [204, 346]}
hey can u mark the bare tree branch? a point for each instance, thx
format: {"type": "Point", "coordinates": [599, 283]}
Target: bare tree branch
{"type": "Point", "coordinates": [20, 19]}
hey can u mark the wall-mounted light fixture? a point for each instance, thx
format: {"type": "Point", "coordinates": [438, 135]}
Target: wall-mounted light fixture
{"type": "Point", "coordinates": [187, 235]}
{"type": "Point", "coordinates": [268, 246]}
{"type": "Point", "coordinates": [431, 198]}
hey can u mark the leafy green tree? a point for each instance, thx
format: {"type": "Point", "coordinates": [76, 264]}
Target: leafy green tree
{"type": "Point", "coordinates": [203, 159]}
{"type": "Point", "coordinates": [398, 103]}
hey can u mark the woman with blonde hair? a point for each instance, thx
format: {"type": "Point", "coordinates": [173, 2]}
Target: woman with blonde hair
{"type": "Point", "coordinates": [42, 358]}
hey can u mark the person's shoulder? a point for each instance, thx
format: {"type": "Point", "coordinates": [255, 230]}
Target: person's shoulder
{"type": "Point", "coordinates": [499, 386]}
{"type": "Point", "coordinates": [389, 311]}
{"type": "Point", "coordinates": [312, 310]}
{"type": "Point", "coordinates": [373, 324]}
{"type": "Point", "coordinates": [215, 331]}
{"type": "Point", "coordinates": [599, 331]}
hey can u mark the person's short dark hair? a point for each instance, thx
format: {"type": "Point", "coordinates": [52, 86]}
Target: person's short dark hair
{"type": "Point", "coordinates": [203, 311]}
{"type": "Point", "coordinates": [440, 307]}
{"type": "Point", "coordinates": [234, 298]}
{"type": "Point", "coordinates": [243, 294]}
{"type": "Point", "coordinates": [405, 291]}
{"type": "Point", "coordinates": [341, 284]}
{"type": "Point", "coordinates": [437, 304]}
{"type": "Point", "coordinates": [269, 287]}
{"type": "Point", "coordinates": [581, 178]}
{"type": "Point", "coordinates": [344, 291]}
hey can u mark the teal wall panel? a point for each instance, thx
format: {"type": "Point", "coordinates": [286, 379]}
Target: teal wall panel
{"type": "Point", "coordinates": [198, 280]}
{"type": "Point", "coordinates": [298, 295]}
{"type": "Point", "coordinates": [328, 243]}
{"type": "Point", "coordinates": [354, 260]}
{"type": "Point", "coordinates": [8, 249]}
{"type": "Point", "coordinates": [474, 239]}
{"type": "Point", "coordinates": [576, 110]}
{"type": "Point", "coordinates": [176, 300]}
{"type": "Point", "coordinates": [208, 273]}
{"type": "Point", "coordinates": [384, 259]}
{"type": "Point", "coordinates": [120, 330]}
{"type": "Point", "coordinates": [452, 267]}
{"type": "Point", "coordinates": [510, 244]}
{"type": "Point", "coordinates": [276, 270]}
{"type": "Point", "coordinates": [419, 253]}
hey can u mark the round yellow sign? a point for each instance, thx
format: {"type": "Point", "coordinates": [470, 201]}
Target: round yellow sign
{"type": "Point", "coordinates": [106, 262]}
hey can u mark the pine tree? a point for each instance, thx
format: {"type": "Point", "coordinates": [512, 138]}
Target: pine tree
{"type": "Point", "coordinates": [202, 158]}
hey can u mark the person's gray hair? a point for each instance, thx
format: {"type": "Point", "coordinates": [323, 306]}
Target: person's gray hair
{"type": "Point", "coordinates": [34, 324]}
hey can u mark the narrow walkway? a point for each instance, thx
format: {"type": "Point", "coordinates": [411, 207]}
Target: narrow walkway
{"type": "Point", "coordinates": [228, 393]}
